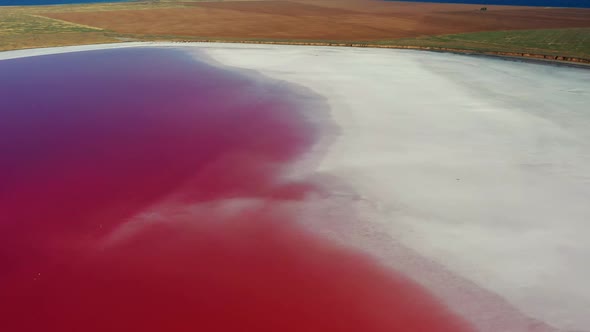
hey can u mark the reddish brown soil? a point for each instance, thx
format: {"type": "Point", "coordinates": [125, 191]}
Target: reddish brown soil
{"type": "Point", "coordinates": [326, 19]}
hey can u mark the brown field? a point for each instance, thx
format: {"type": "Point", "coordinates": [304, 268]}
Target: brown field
{"type": "Point", "coordinates": [546, 33]}
{"type": "Point", "coordinates": [323, 19]}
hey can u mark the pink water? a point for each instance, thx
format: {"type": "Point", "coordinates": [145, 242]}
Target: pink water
{"type": "Point", "coordinates": [141, 190]}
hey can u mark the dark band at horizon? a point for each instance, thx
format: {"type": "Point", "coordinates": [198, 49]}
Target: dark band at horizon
{"type": "Point", "coordinates": [536, 3]}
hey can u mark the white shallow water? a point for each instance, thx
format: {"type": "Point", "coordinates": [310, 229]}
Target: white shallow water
{"type": "Point", "coordinates": [479, 165]}
{"type": "Point", "coordinates": [482, 165]}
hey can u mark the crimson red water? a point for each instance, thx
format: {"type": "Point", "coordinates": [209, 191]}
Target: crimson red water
{"type": "Point", "coordinates": [141, 190]}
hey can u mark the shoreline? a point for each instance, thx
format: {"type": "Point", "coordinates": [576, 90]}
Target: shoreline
{"type": "Point", "coordinates": [568, 61]}
{"type": "Point", "coordinates": [554, 60]}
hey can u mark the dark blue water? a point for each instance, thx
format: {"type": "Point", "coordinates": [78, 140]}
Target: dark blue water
{"type": "Point", "coordinates": [540, 3]}
{"type": "Point", "coordinates": [50, 2]}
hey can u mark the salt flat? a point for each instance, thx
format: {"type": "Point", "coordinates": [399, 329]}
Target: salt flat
{"type": "Point", "coordinates": [482, 165]}
{"type": "Point", "coordinates": [476, 170]}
